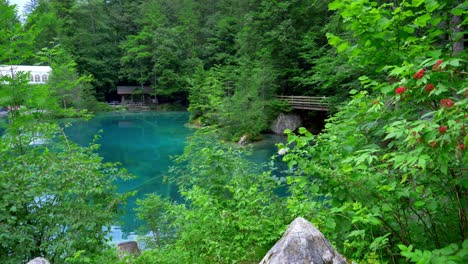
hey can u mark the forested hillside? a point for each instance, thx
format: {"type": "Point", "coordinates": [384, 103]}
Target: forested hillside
{"type": "Point", "coordinates": [163, 43]}
{"type": "Point", "coordinates": [221, 56]}
{"type": "Point", "coordinates": [385, 181]}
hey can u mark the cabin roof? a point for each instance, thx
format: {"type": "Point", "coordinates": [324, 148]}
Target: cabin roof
{"type": "Point", "coordinates": [132, 89]}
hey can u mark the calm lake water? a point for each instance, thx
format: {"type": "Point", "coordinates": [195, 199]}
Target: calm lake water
{"type": "Point", "coordinates": [144, 143]}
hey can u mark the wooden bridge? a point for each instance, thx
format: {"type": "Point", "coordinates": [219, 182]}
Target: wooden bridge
{"type": "Point", "coordinates": [306, 102]}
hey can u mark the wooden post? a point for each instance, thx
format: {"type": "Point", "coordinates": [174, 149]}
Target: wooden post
{"type": "Point", "coordinates": [128, 248]}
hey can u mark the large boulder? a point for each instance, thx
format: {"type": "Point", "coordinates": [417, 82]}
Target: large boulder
{"type": "Point", "coordinates": [38, 261]}
{"type": "Point", "coordinates": [302, 243]}
{"type": "Point", "coordinates": [286, 121]}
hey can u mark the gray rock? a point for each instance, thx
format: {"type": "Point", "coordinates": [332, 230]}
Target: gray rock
{"type": "Point", "coordinates": [302, 243]}
{"type": "Point", "coordinates": [243, 140]}
{"type": "Point", "coordinates": [286, 121]}
{"type": "Point", "coordinates": [38, 261]}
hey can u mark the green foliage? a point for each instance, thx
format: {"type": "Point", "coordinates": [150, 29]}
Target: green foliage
{"type": "Point", "coordinates": [207, 91]}
{"type": "Point", "coordinates": [231, 213]}
{"type": "Point", "coordinates": [386, 181]}
{"type": "Point", "coordinates": [83, 29]}
{"type": "Point", "coordinates": [407, 150]}
{"type": "Point", "coordinates": [221, 95]}
{"type": "Point", "coordinates": [158, 54]}
{"type": "Point", "coordinates": [44, 25]}
{"type": "Point", "coordinates": [15, 91]}
{"type": "Point", "coordinates": [15, 43]}
{"type": "Point", "coordinates": [254, 92]}
{"type": "Point", "coordinates": [57, 198]}
{"type": "Point", "coordinates": [449, 254]}
{"type": "Point", "coordinates": [136, 58]}
{"type": "Point", "coordinates": [107, 255]}
{"type": "Point", "coordinates": [390, 167]}
{"type": "Point", "coordinates": [153, 210]}
{"type": "Point", "coordinates": [70, 88]}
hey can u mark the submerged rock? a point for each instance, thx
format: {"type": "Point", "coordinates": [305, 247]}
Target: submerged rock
{"type": "Point", "coordinates": [286, 121]}
{"type": "Point", "coordinates": [302, 243]}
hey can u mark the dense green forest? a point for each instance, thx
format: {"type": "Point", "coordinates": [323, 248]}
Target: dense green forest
{"type": "Point", "coordinates": [386, 180]}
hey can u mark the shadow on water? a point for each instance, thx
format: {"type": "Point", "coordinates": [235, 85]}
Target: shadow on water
{"type": "Point", "coordinates": [144, 143]}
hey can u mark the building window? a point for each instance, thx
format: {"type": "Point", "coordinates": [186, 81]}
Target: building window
{"type": "Point", "coordinates": [37, 78]}
{"type": "Point", "coordinates": [44, 78]}
{"type": "Point", "coordinates": [31, 78]}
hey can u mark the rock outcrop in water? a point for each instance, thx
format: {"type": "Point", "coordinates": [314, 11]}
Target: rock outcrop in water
{"type": "Point", "coordinates": [286, 121]}
{"type": "Point", "coordinates": [302, 243]}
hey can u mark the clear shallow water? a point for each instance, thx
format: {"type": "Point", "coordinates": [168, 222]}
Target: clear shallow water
{"type": "Point", "coordinates": [144, 143]}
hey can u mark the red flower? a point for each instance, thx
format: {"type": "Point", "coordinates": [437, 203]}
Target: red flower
{"type": "Point", "coordinates": [446, 103]}
{"type": "Point", "coordinates": [461, 146]}
{"type": "Point", "coordinates": [419, 74]}
{"type": "Point", "coordinates": [429, 87]}
{"type": "Point", "coordinates": [442, 129]}
{"type": "Point", "coordinates": [436, 66]}
{"type": "Point", "coordinates": [400, 90]}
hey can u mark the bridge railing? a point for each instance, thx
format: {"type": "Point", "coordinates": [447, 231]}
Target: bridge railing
{"type": "Point", "coordinates": [306, 102]}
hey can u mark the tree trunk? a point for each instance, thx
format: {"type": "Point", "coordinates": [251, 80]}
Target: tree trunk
{"type": "Point", "coordinates": [457, 35]}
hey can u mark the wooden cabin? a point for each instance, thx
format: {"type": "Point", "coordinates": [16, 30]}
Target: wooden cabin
{"type": "Point", "coordinates": [135, 94]}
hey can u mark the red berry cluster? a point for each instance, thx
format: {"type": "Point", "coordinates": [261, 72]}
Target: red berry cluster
{"type": "Point", "coordinates": [400, 90]}
{"type": "Point", "coordinates": [446, 103]}
{"type": "Point", "coordinates": [429, 87]}
{"type": "Point", "coordinates": [419, 74]}
{"type": "Point", "coordinates": [443, 129]}
{"type": "Point", "coordinates": [436, 66]}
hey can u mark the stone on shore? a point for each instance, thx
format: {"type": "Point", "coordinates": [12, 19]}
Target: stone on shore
{"type": "Point", "coordinates": [302, 243]}
{"type": "Point", "coordinates": [286, 121]}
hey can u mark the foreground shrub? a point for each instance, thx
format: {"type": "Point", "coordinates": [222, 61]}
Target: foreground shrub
{"type": "Point", "coordinates": [390, 168]}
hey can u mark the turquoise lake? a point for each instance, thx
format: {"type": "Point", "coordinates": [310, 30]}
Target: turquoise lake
{"type": "Point", "coordinates": [144, 142]}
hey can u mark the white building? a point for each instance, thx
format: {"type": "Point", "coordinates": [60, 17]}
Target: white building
{"type": "Point", "coordinates": [37, 74]}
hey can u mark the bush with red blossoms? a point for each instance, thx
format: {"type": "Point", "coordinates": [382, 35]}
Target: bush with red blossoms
{"type": "Point", "coordinates": [400, 90]}
{"type": "Point", "coordinates": [419, 74]}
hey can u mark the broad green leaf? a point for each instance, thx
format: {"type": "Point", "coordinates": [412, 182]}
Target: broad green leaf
{"type": "Point", "coordinates": [342, 47]}
{"type": "Point", "coordinates": [333, 39]}
{"type": "Point", "coordinates": [457, 11]}
{"type": "Point", "coordinates": [419, 204]}
{"type": "Point", "coordinates": [421, 21]}
{"type": "Point", "coordinates": [417, 3]}
{"type": "Point", "coordinates": [337, 4]}
{"type": "Point", "coordinates": [431, 5]}
{"type": "Point", "coordinates": [386, 208]}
